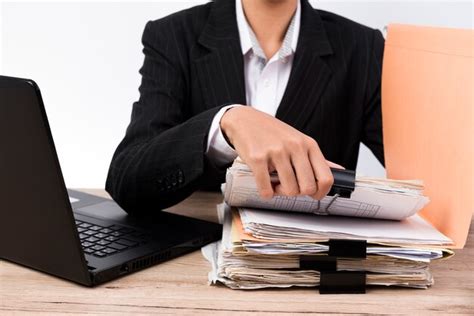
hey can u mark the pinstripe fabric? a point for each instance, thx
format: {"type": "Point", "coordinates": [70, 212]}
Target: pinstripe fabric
{"type": "Point", "coordinates": [193, 66]}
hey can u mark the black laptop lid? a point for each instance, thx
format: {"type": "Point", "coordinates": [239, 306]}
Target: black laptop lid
{"type": "Point", "coordinates": [37, 226]}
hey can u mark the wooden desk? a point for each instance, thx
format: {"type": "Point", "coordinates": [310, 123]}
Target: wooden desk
{"type": "Point", "coordinates": [180, 286]}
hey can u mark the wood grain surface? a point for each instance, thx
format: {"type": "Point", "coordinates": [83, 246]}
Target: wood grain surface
{"type": "Point", "coordinates": [180, 286]}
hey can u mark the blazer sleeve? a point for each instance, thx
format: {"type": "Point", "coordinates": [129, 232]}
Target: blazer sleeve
{"type": "Point", "coordinates": [161, 159]}
{"type": "Point", "coordinates": [372, 135]}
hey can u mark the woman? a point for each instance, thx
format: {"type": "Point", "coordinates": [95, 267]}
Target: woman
{"type": "Point", "coordinates": [310, 80]}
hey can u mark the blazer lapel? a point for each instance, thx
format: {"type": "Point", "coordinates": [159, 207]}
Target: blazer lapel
{"type": "Point", "coordinates": [220, 69]}
{"type": "Point", "coordinates": [221, 74]}
{"type": "Point", "coordinates": [310, 74]}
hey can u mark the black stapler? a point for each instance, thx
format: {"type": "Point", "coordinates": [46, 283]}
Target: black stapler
{"type": "Point", "coordinates": [344, 183]}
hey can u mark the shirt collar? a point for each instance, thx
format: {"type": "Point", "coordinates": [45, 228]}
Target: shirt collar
{"type": "Point", "coordinates": [245, 32]}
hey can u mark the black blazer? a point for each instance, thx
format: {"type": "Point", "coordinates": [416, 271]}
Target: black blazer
{"type": "Point", "coordinates": [194, 65]}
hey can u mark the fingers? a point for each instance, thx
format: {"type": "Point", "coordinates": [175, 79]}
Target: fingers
{"type": "Point", "coordinates": [288, 183]}
{"type": "Point", "coordinates": [322, 172]}
{"type": "Point", "coordinates": [259, 168]}
{"type": "Point", "coordinates": [301, 168]}
{"type": "Point", "coordinates": [304, 173]}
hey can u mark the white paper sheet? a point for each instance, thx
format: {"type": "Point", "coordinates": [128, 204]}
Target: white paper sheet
{"type": "Point", "coordinates": [73, 200]}
{"type": "Point", "coordinates": [413, 230]}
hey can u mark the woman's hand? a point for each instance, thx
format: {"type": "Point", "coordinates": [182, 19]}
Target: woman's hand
{"type": "Point", "coordinates": [266, 144]}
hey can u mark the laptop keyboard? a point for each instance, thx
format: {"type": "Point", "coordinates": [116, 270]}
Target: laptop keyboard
{"type": "Point", "coordinates": [103, 241]}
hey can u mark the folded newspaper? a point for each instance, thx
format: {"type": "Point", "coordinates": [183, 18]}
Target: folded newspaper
{"type": "Point", "coordinates": [372, 197]}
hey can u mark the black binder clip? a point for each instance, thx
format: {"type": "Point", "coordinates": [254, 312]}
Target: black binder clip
{"type": "Point", "coordinates": [344, 183]}
{"type": "Point", "coordinates": [331, 280]}
{"type": "Point", "coordinates": [348, 248]}
{"type": "Point", "coordinates": [342, 282]}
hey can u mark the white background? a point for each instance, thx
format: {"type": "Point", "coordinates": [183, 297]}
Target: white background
{"type": "Point", "coordinates": [85, 57]}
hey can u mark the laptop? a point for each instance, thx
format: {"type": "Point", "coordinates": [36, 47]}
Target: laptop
{"type": "Point", "coordinates": [69, 234]}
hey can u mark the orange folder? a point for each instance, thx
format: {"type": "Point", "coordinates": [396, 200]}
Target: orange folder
{"type": "Point", "coordinates": [428, 120]}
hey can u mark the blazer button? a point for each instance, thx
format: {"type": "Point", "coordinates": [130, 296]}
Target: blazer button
{"type": "Point", "coordinates": [180, 176]}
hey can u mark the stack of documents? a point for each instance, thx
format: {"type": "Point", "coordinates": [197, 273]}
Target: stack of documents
{"type": "Point", "coordinates": [263, 247]}
{"type": "Point", "coordinates": [270, 225]}
{"type": "Point", "coordinates": [372, 198]}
